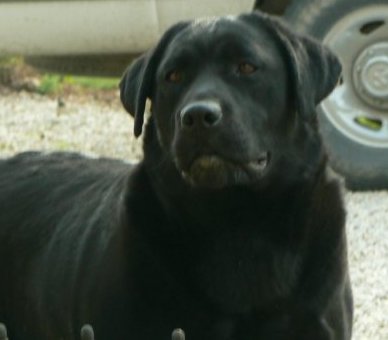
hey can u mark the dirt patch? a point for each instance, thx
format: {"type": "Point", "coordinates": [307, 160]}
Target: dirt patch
{"type": "Point", "coordinates": [15, 75]}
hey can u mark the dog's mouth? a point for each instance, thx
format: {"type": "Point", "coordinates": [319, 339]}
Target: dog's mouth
{"type": "Point", "coordinates": [212, 171]}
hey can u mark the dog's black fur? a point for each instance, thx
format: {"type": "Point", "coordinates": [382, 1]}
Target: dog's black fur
{"type": "Point", "coordinates": [230, 228]}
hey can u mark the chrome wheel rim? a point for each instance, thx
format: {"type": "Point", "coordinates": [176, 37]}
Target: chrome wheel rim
{"type": "Point", "coordinates": [358, 107]}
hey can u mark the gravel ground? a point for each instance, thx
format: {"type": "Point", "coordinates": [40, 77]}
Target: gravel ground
{"type": "Point", "coordinates": [30, 121]}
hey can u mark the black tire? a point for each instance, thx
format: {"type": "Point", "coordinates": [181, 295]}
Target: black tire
{"type": "Point", "coordinates": [364, 165]}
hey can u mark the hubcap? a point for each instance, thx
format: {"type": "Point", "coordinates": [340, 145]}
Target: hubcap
{"type": "Point", "coordinates": [358, 107]}
{"type": "Point", "coordinates": [370, 75]}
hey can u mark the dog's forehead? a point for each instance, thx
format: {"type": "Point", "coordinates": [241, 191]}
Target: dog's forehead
{"type": "Point", "coordinates": [210, 24]}
{"type": "Point", "coordinates": [208, 33]}
{"type": "Point", "coordinates": [214, 28]}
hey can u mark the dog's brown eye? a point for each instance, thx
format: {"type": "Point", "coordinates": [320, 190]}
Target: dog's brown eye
{"type": "Point", "coordinates": [174, 76]}
{"type": "Point", "coordinates": [246, 68]}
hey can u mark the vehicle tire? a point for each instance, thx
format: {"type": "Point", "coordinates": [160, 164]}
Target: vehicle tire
{"type": "Point", "coordinates": [354, 118]}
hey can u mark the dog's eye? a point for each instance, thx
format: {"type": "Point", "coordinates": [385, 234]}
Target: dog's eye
{"type": "Point", "coordinates": [246, 68]}
{"type": "Point", "coordinates": [174, 76]}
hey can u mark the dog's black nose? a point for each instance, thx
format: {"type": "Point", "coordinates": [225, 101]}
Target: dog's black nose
{"type": "Point", "coordinates": [201, 114]}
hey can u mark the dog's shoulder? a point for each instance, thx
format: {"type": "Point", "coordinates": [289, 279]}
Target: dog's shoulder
{"type": "Point", "coordinates": [327, 214]}
{"type": "Point", "coordinates": [328, 193]}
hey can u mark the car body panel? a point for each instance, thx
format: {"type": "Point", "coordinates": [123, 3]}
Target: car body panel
{"type": "Point", "coordinates": [97, 26]}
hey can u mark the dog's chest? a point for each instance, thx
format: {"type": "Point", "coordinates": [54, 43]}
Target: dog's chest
{"type": "Point", "coordinates": [241, 272]}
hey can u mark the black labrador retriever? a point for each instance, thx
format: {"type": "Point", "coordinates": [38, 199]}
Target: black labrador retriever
{"type": "Point", "coordinates": [231, 228]}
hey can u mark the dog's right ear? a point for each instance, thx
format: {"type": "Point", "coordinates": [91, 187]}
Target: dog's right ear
{"type": "Point", "coordinates": [138, 80]}
{"type": "Point", "coordinates": [130, 82]}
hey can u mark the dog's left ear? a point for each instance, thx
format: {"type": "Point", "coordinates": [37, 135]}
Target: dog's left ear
{"type": "Point", "coordinates": [314, 69]}
{"type": "Point", "coordinates": [138, 80]}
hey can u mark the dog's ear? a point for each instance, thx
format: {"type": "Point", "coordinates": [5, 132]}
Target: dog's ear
{"type": "Point", "coordinates": [314, 69]}
{"type": "Point", "coordinates": [130, 82]}
{"type": "Point", "coordinates": [138, 80]}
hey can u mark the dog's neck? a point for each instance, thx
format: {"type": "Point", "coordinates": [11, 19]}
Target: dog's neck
{"type": "Point", "coordinates": [220, 206]}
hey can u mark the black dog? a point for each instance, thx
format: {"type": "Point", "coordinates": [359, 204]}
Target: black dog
{"type": "Point", "coordinates": [230, 228]}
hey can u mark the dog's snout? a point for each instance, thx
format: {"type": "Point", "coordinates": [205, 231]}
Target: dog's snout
{"type": "Point", "coordinates": [201, 114]}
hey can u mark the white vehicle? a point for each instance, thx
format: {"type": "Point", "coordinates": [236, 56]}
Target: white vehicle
{"type": "Point", "coordinates": [81, 34]}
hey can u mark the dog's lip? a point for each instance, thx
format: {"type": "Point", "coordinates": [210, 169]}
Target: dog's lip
{"type": "Point", "coordinates": [256, 166]}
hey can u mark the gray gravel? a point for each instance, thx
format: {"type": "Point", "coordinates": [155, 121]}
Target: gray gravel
{"type": "Point", "coordinates": [30, 121]}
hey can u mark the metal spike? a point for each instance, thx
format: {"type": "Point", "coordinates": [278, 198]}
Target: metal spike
{"type": "Point", "coordinates": [178, 334]}
{"type": "Point", "coordinates": [87, 332]}
{"type": "Point", "coordinates": [3, 332]}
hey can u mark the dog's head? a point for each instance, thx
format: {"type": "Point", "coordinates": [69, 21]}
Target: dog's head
{"type": "Point", "coordinates": [231, 96]}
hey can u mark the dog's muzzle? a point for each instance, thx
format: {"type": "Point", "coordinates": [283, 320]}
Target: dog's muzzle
{"type": "Point", "coordinates": [215, 172]}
